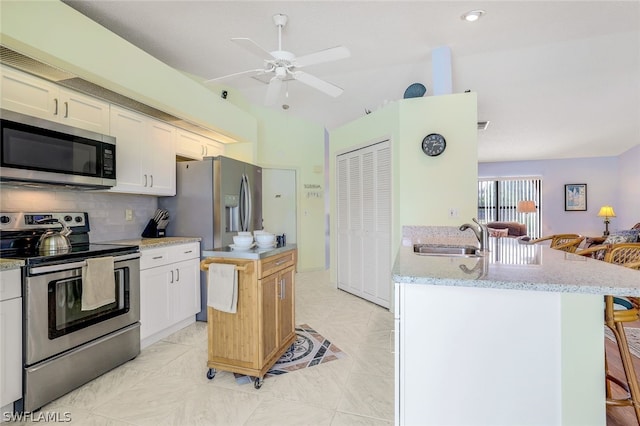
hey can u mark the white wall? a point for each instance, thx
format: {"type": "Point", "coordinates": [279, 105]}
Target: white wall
{"type": "Point", "coordinates": [424, 188]}
{"type": "Point", "coordinates": [289, 143]}
{"type": "Point", "coordinates": [610, 180]}
{"type": "Point", "coordinates": [628, 209]}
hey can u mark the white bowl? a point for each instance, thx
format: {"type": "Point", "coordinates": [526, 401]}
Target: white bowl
{"type": "Point", "coordinates": [265, 239]}
{"type": "Point", "coordinates": [262, 246]}
{"type": "Point", "coordinates": [242, 240]}
{"type": "Point", "coordinates": [259, 231]}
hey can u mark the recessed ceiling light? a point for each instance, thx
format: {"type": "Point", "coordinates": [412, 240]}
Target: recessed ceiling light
{"type": "Point", "coordinates": [473, 15]}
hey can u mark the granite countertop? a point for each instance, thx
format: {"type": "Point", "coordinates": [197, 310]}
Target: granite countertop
{"type": "Point", "coordinates": [147, 243]}
{"type": "Point", "coordinates": [512, 265]}
{"type": "Point", "coordinates": [6, 264]}
{"type": "Point", "coordinates": [252, 254]}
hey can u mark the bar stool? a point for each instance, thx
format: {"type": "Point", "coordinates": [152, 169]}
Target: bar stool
{"type": "Point", "coordinates": [617, 311]}
{"type": "Point", "coordinates": [615, 319]}
{"type": "Point", "coordinates": [564, 242]}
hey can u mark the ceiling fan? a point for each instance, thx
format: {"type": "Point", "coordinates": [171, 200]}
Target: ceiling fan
{"type": "Point", "coordinates": [281, 65]}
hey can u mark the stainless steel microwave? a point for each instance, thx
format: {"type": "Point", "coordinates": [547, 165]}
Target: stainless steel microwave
{"type": "Point", "coordinates": [37, 152]}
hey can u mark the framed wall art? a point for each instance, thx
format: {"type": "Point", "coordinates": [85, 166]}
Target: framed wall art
{"type": "Point", "coordinates": [575, 197]}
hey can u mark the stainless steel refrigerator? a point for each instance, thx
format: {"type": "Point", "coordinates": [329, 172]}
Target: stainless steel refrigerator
{"type": "Point", "coordinates": [215, 199]}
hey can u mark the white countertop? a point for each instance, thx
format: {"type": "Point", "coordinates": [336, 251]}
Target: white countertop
{"type": "Point", "coordinates": [254, 253]}
{"type": "Point", "coordinates": [147, 243]}
{"type": "Point", "coordinates": [6, 264]}
{"type": "Point", "coordinates": [510, 265]}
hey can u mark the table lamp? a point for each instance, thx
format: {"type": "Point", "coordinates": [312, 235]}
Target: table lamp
{"type": "Point", "coordinates": [526, 206]}
{"type": "Point", "coordinates": [606, 212]}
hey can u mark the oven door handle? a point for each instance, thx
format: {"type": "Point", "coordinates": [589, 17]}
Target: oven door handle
{"type": "Point", "coordinates": [74, 265]}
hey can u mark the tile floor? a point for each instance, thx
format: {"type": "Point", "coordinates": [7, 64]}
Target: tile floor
{"type": "Point", "coordinates": [167, 385]}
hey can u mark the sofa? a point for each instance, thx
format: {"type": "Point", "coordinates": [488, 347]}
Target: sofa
{"type": "Point", "coordinates": [616, 237]}
{"type": "Point", "coordinates": [514, 229]}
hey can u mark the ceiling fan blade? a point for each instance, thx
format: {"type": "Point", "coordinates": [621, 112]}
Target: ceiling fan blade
{"type": "Point", "coordinates": [237, 74]}
{"type": "Point", "coordinates": [252, 46]}
{"type": "Point", "coordinates": [316, 83]}
{"type": "Point", "coordinates": [273, 90]}
{"type": "Point", "coordinates": [327, 55]}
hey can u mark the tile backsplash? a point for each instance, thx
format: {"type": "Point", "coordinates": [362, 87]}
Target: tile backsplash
{"type": "Point", "coordinates": [106, 210]}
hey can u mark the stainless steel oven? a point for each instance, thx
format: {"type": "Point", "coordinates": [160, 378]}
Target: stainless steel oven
{"type": "Point", "coordinates": [65, 346]}
{"type": "Point", "coordinates": [53, 317]}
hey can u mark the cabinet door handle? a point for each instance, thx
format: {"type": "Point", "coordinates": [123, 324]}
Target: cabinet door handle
{"type": "Point", "coordinates": [145, 180]}
{"type": "Point", "coordinates": [55, 103]}
{"type": "Point", "coordinates": [171, 277]}
{"type": "Point", "coordinates": [188, 251]}
{"type": "Point", "coordinates": [280, 262]}
{"type": "Point", "coordinates": [157, 257]}
{"type": "Point", "coordinates": [66, 109]}
{"type": "Point", "coordinates": [151, 186]}
{"type": "Point", "coordinates": [203, 151]}
{"type": "Point", "coordinates": [177, 275]}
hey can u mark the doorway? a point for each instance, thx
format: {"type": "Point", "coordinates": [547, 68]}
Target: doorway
{"type": "Point", "coordinates": [279, 202]}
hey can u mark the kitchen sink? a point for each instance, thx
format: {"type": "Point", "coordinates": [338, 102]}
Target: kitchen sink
{"type": "Point", "coordinates": [445, 250]}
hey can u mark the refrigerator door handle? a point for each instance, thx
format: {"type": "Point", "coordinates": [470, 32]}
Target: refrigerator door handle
{"type": "Point", "coordinates": [241, 203]}
{"type": "Point", "coordinates": [249, 207]}
{"type": "Point", "coordinates": [245, 203]}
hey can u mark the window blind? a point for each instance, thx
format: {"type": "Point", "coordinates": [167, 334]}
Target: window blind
{"type": "Point", "coordinates": [498, 201]}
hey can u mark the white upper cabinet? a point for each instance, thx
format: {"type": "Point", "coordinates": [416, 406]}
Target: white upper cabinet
{"type": "Point", "coordinates": [24, 93]}
{"type": "Point", "coordinates": [196, 147]}
{"type": "Point", "coordinates": [145, 154]}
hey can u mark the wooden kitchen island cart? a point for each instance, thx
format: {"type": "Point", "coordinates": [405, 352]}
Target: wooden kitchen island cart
{"type": "Point", "coordinates": [262, 329]}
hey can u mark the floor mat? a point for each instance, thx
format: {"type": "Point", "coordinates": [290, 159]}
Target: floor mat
{"type": "Point", "coordinates": [309, 349]}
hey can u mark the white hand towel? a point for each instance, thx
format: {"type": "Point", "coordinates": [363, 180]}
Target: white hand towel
{"type": "Point", "coordinates": [222, 287]}
{"type": "Point", "coordinates": [98, 283]}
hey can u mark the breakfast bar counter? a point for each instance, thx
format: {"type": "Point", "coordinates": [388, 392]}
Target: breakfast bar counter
{"type": "Point", "coordinates": [512, 265]}
{"type": "Point", "coordinates": [515, 336]}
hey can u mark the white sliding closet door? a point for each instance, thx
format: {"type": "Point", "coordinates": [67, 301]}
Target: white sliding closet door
{"type": "Point", "coordinates": [364, 222]}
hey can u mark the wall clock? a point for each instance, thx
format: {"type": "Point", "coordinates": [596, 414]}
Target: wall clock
{"type": "Point", "coordinates": [433, 144]}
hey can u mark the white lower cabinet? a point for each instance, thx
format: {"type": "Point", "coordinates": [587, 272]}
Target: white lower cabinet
{"type": "Point", "coordinates": [10, 338]}
{"type": "Point", "coordinates": [169, 290]}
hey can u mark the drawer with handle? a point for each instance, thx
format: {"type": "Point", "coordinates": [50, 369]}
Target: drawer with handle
{"type": "Point", "coordinates": [275, 263]}
{"type": "Point", "coordinates": [168, 254]}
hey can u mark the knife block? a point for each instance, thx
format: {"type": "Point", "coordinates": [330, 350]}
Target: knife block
{"type": "Point", "coordinates": [152, 231]}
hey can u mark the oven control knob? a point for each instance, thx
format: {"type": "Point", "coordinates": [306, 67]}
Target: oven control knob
{"type": "Point", "coordinates": [78, 219]}
{"type": "Point", "coordinates": [67, 218]}
{"type": "Point", "coordinates": [5, 219]}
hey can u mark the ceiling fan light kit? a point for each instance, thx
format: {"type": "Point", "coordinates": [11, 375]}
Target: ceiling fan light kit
{"type": "Point", "coordinates": [281, 65]}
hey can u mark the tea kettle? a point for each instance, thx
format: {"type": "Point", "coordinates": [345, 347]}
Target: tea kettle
{"type": "Point", "coordinates": [54, 241]}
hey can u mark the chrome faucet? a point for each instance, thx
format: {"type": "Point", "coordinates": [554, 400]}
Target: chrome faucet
{"type": "Point", "coordinates": [481, 232]}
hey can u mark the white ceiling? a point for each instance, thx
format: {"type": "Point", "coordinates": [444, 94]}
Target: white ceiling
{"type": "Point", "coordinates": [556, 79]}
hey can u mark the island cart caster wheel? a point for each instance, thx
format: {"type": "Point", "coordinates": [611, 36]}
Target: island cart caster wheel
{"type": "Point", "coordinates": [257, 383]}
{"type": "Point", "coordinates": [211, 373]}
